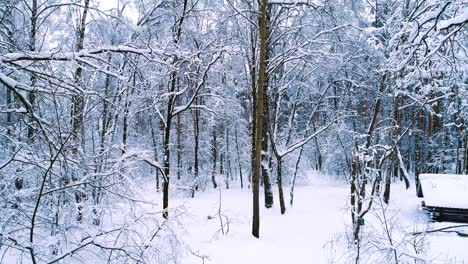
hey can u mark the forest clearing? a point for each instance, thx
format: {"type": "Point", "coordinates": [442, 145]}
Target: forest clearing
{"type": "Point", "coordinates": [233, 131]}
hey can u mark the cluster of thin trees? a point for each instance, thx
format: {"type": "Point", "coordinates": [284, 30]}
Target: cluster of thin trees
{"type": "Point", "coordinates": [190, 95]}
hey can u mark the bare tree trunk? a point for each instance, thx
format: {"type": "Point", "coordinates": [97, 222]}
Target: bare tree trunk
{"type": "Point", "coordinates": [418, 153]}
{"type": "Point", "coordinates": [353, 192]}
{"type": "Point", "coordinates": [363, 178]}
{"type": "Point", "coordinates": [196, 135]}
{"type": "Point", "coordinates": [228, 157]}
{"type": "Point", "coordinates": [317, 149]}
{"type": "Point", "coordinates": [465, 169]}
{"type": "Point", "coordinates": [78, 100]}
{"type": "Point", "coordinates": [169, 114]}
{"type": "Point", "coordinates": [293, 183]}
{"type": "Point", "coordinates": [78, 107]}
{"type": "Point", "coordinates": [265, 157]}
{"type": "Point", "coordinates": [179, 147]}
{"type": "Point", "coordinates": [9, 118]}
{"type": "Point", "coordinates": [259, 122]}
{"type": "Point", "coordinates": [238, 159]}
{"type": "Point", "coordinates": [8, 18]}
{"type": "Point", "coordinates": [214, 156]}
{"type": "Point", "coordinates": [167, 153]}
{"type": "Point", "coordinates": [280, 184]}
{"type": "Point", "coordinates": [32, 48]}
{"type": "Point", "coordinates": [253, 70]}
{"type": "Point", "coordinates": [155, 147]}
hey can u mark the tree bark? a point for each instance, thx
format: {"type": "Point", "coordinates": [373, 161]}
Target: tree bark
{"type": "Point", "coordinates": [32, 48]}
{"type": "Point", "coordinates": [78, 107]}
{"type": "Point", "coordinates": [169, 115]}
{"type": "Point", "coordinates": [259, 121]}
{"type": "Point", "coordinates": [179, 147]}
{"type": "Point", "coordinates": [268, 193]}
{"type": "Point", "coordinates": [280, 184]}
{"type": "Point", "coordinates": [196, 135]}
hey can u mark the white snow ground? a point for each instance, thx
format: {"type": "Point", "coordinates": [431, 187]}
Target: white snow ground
{"type": "Point", "coordinates": [313, 231]}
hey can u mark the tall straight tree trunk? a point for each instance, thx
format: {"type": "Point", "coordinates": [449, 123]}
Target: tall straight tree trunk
{"type": "Point", "coordinates": [214, 155]}
{"type": "Point", "coordinates": [317, 149]}
{"type": "Point", "coordinates": [465, 158]}
{"type": "Point", "coordinates": [253, 70]}
{"type": "Point", "coordinates": [78, 100]}
{"type": "Point", "coordinates": [266, 169]}
{"type": "Point", "coordinates": [169, 115]}
{"type": "Point", "coordinates": [228, 156]}
{"type": "Point", "coordinates": [179, 147]}
{"type": "Point", "coordinates": [280, 184]}
{"type": "Point", "coordinates": [259, 119]}
{"type": "Point", "coordinates": [127, 106]}
{"type": "Point", "coordinates": [32, 48]}
{"type": "Point", "coordinates": [155, 147]}
{"type": "Point", "coordinates": [167, 153]}
{"type": "Point", "coordinates": [105, 119]}
{"type": "Point", "coordinates": [196, 135]}
{"type": "Point", "coordinates": [78, 107]}
{"type": "Point", "coordinates": [9, 117]}
{"type": "Point", "coordinates": [238, 159]}
{"type": "Point", "coordinates": [8, 21]}
{"type": "Point", "coordinates": [418, 152]}
{"type": "Point", "coordinates": [103, 133]}
{"type": "Point", "coordinates": [268, 193]}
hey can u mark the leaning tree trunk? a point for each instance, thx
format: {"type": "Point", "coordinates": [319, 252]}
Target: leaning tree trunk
{"type": "Point", "coordinates": [293, 182]}
{"type": "Point", "coordinates": [238, 159]}
{"type": "Point", "coordinates": [280, 183]}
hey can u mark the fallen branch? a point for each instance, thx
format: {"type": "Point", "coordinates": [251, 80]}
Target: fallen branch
{"type": "Point", "coordinates": [444, 229]}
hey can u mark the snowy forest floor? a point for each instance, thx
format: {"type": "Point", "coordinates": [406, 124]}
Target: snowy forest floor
{"type": "Point", "coordinates": [314, 230]}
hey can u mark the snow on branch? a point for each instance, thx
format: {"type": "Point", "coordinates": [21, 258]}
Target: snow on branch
{"type": "Point", "coordinates": [201, 83]}
{"type": "Point", "coordinates": [460, 19]}
{"type": "Point", "coordinates": [65, 56]}
{"type": "Point", "coordinates": [292, 2]}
